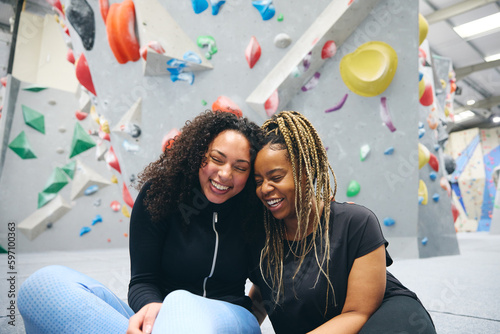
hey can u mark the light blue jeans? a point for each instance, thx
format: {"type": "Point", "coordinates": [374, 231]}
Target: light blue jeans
{"type": "Point", "coordinates": [58, 299]}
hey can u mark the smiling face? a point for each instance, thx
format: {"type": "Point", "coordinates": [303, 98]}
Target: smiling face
{"type": "Point", "coordinates": [275, 186]}
{"type": "Point", "coordinates": [227, 167]}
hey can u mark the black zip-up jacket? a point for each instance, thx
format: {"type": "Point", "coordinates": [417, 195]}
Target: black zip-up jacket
{"type": "Point", "coordinates": [209, 258]}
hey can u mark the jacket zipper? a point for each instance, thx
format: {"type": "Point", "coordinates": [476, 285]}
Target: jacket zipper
{"type": "Point", "coordinates": [214, 221]}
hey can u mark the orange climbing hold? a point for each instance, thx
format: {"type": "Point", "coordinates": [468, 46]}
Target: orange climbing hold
{"type": "Point", "coordinates": [224, 103]}
{"type": "Point", "coordinates": [168, 140]}
{"type": "Point", "coordinates": [83, 74]}
{"type": "Point", "coordinates": [120, 26]}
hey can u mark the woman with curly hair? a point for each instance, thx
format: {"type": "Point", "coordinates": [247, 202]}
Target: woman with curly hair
{"type": "Point", "coordinates": [188, 245]}
{"type": "Point", "coordinates": [322, 268]}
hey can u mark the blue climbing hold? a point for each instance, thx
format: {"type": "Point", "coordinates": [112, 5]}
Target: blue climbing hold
{"type": "Point", "coordinates": [424, 241]}
{"type": "Point", "coordinates": [97, 219]}
{"type": "Point", "coordinates": [388, 221]}
{"type": "Point", "coordinates": [421, 132]}
{"type": "Point", "coordinates": [389, 151]}
{"type": "Point", "coordinates": [191, 57]}
{"type": "Point", "coordinates": [216, 4]}
{"type": "Point", "coordinates": [183, 76]}
{"type": "Point", "coordinates": [420, 199]}
{"type": "Point", "coordinates": [436, 147]}
{"type": "Point", "coordinates": [435, 197]}
{"type": "Point", "coordinates": [265, 8]}
{"type": "Point", "coordinates": [199, 5]}
{"type": "Point", "coordinates": [433, 176]}
{"type": "Point", "coordinates": [85, 230]}
{"type": "Point", "coordinates": [420, 125]}
{"type": "Point", "coordinates": [91, 190]}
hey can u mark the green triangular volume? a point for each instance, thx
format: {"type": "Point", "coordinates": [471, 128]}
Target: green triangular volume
{"type": "Point", "coordinates": [44, 198]}
{"type": "Point", "coordinates": [81, 141]}
{"type": "Point", "coordinates": [56, 181]}
{"type": "Point", "coordinates": [22, 147]}
{"type": "Point", "coordinates": [69, 169]}
{"type": "Point", "coordinates": [34, 119]}
{"type": "Point", "coordinates": [2, 250]}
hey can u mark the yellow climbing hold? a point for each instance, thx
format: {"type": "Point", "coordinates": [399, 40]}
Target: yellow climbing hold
{"type": "Point", "coordinates": [422, 193]}
{"type": "Point", "coordinates": [423, 28]}
{"type": "Point", "coordinates": [125, 211]}
{"type": "Point", "coordinates": [114, 179]}
{"type": "Point", "coordinates": [423, 155]}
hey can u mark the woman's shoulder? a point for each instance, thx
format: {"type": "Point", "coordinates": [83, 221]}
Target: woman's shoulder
{"type": "Point", "coordinates": [350, 210]}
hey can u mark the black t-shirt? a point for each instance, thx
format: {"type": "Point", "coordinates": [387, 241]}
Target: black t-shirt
{"type": "Point", "coordinates": [354, 232]}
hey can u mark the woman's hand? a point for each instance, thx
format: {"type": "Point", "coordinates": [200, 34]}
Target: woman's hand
{"type": "Point", "coordinates": [142, 322]}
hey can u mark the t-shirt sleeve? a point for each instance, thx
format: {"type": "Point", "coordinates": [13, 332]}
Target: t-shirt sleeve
{"type": "Point", "coordinates": [365, 234]}
{"type": "Point", "coordinates": [145, 246]}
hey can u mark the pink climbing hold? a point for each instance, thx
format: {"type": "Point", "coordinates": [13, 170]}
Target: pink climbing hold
{"type": "Point", "coordinates": [126, 196]}
{"type": "Point", "coordinates": [70, 56]}
{"type": "Point", "coordinates": [272, 103]}
{"type": "Point", "coordinates": [338, 105]}
{"type": "Point", "coordinates": [3, 81]}
{"type": "Point", "coordinates": [385, 115]}
{"type": "Point", "coordinates": [154, 45]}
{"type": "Point", "coordinates": [224, 103]}
{"type": "Point", "coordinates": [115, 206]}
{"type": "Point", "coordinates": [112, 160]}
{"type": "Point", "coordinates": [329, 50]}
{"type": "Point", "coordinates": [252, 52]}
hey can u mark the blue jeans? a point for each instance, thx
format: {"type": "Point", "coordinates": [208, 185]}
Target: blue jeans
{"type": "Point", "coordinates": [58, 299]}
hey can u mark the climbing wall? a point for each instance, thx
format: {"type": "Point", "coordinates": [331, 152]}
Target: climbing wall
{"type": "Point", "coordinates": [476, 152]}
{"type": "Point", "coordinates": [350, 66]}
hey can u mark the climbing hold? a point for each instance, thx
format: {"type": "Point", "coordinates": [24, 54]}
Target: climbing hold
{"type": "Point", "coordinates": [192, 57]}
{"type": "Point", "coordinates": [422, 192]}
{"type": "Point", "coordinates": [454, 211]}
{"type": "Point", "coordinates": [423, 28]}
{"type": "Point", "coordinates": [199, 6]}
{"type": "Point", "coordinates": [104, 9]}
{"type": "Point", "coordinates": [129, 147]}
{"type": "Point", "coordinates": [91, 190]}
{"type": "Point", "coordinates": [388, 221]}
{"type": "Point", "coordinates": [252, 52]}
{"type": "Point", "coordinates": [433, 162]}
{"type": "Point", "coordinates": [153, 45]}
{"type": "Point", "coordinates": [369, 70]}
{"type": "Point", "coordinates": [423, 155]}
{"type": "Point", "coordinates": [126, 196]}
{"type": "Point", "coordinates": [57, 180]}
{"type": "Point", "coordinates": [97, 202]}
{"type": "Point", "coordinates": [115, 206]}
{"type": "Point", "coordinates": [81, 115]}
{"type": "Point", "coordinates": [216, 5]}
{"type": "Point", "coordinates": [421, 132]}
{"type": "Point", "coordinates": [44, 198]}
{"type": "Point", "coordinates": [125, 212]}
{"type": "Point", "coordinates": [389, 151]}
{"type": "Point", "coordinates": [224, 103]}
{"type": "Point", "coordinates": [265, 8]}
{"type": "Point", "coordinates": [132, 178]}
{"type": "Point", "coordinates": [271, 105]}
{"type": "Point", "coordinates": [364, 151]}
{"type": "Point", "coordinates": [112, 160]}
{"type": "Point", "coordinates": [34, 88]}
{"type": "Point", "coordinates": [204, 103]}
{"type": "Point", "coordinates": [120, 24]}
{"type": "Point", "coordinates": [428, 96]}
{"type": "Point", "coordinates": [114, 179]}
{"type": "Point", "coordinates": [420, 125]}
{"type": "Point", "coordinates": [83, 74]}
{"type": "Point", "coordinates": [81, 141]}
{"type": "Point", "coordinates": [282, 40]}
{"type": "Point", "coordinates": [449, 163]}
{"type": "Point", "coordinates": [280, 18]}
{"type": "Point", "coordinates": [22, 147]}
{"type": "Point", "coordinates": [432, 121]}
{"type": "Point", "coordinates": [433, 176]}
{"type": "Point", "coordinates": [207, 41]}
{"type": "Point", "coordinates": [353, 188]}
{"type": "Point", "coordinates": [421, 85]}
{"type": "Point", "coordinates": [424, 241]}
{"type": "Point", "coordinates": [97, 219]}
{"type": "Point", "coordinates": [329, 50]}
{"type": "Point", "coordinates": [34, 119]}
{"type": "Point", "coordinates": [59, 150]}
{"type": "Point", "coordinates": [436, 147]}
{"type": "Point", "coordinates": [85, 230]}
{"type": "Point", "coordinates": [339, 105]}
{"type": "Point", "coordinates": [312, 83]}
{"type": "Point", "coordinates": [306, 62]}
{"type": "Point", "coordinates": [435, 197]}
{"type": "Point", "coordinates": [70, 56]}
{"type": "Point", "coordinates": [81, 17]}
{"type": "Point", "coordinates": [385, 115]}
{"type": "Point", "coordinates": [169, 138]}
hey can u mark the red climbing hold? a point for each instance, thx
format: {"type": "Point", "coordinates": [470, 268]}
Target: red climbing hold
{"type": "Point", "coordinates": [433, 162]}
{"type": "Point", "coordinates": [83, 74]}
{"type": "Point", "coordinates": [224, 103]}
{"type": "Point", "coordinates": [252, 52]}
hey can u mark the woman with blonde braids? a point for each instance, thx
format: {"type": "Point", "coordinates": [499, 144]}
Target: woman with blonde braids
{"type": "Point", "coordinates": [322, 268]}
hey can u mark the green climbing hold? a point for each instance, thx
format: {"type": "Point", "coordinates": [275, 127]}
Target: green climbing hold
{"type": "Point", "coordinates": [209, 41]}
{"type": "Point", "coordinates": [44, 198]}
{"type": "Point", "coordinates": [22, 147]}
{"type": "Point", "coordinates": [353, 188]}
{"type": "Point", "coordinates": [280, 18]}
{"type": "Point", "coordinates": [35, 89]}
{"type": "Point", "coordinates": [364, 151]}
{"type": "Point", "coordinates": [34, 119]}
{"type": "Point", "coordinates": [69, 169]}
{"type": "Point", "coordinates": [56, 181]}
{"type": "Point", "coordinates": [203, 102]}
{"type": "Point", "coordinates": [81, 141]}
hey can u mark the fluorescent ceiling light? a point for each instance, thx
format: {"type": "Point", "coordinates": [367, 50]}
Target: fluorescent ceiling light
{"type": "Point", "coordinates": [496, 119]}
{"type": "Point", "coordinates": [471, 102]}
{"type": "Point", "coordinates": [463, 116]}
{"type": "Point", "coordinates": [492, 57]}
{"type": "Point", "coordinates": [482, 26]}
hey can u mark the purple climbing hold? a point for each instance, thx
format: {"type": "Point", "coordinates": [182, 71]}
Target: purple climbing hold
{"type": "Point", "coordinates": [385, 115]}
{"type": "Point", "coordinates": [338, 105]}
{"type": "Point", "coordinates": [312, 83]}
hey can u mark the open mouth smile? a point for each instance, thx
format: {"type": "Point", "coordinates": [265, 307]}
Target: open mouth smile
{"type": "Point", "coordinates": [219, 186]}
{"type": "Point", "coordinates": [274, 202]}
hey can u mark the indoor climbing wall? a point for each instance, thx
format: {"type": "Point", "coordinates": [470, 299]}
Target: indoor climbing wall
{"type": "Point", "coordinates": [350, 66]}
{"type": "Point", "coordinates": [490, 145]}
{"type": "Point", "coordinates": [436, 232]}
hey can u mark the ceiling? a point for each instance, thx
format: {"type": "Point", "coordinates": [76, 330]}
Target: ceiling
{"type": "Point", "coordinates": [477, 79]}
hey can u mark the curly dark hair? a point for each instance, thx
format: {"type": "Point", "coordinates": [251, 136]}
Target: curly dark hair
{"type": "Point", "coordinates": [174, 176]}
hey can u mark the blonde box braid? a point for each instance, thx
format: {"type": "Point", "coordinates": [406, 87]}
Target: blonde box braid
{"type": "Point", "coordinates": [309, 163]}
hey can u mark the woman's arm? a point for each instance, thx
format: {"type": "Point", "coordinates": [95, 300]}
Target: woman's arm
{"type": "Point", "coordinates": [365, 291]}
{"type": "Point", "coordinates": [257, 304]}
